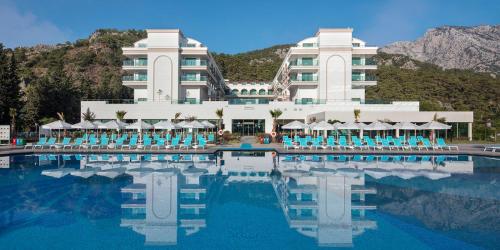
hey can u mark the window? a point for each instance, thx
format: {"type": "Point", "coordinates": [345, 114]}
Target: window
{"type": "Point", "coordinates": [189, 61]}
{"type": "Point", "coordinates": [307, 45]}
{"type": "Point", "coordinates": [355, 45]}
{"type": "Point", "coordinates": [262, 92]}
{"type": "Point", "coordinates": [189, 77]}
{"type": "Point", "coordinates": [307, 61]}
{"type": "Point", "coordinates": [235, 92]}
{"type": "Point", "coordinates": [244, 92]}
{"type": "Point", "coordinates": [356, 61]}
{"type": "Point", "coordinates": [253, 92]}
{"type": "Point", "coordinates": [307, 76]}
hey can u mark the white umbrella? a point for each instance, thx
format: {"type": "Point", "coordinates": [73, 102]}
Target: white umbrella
{"type": "Point", "coordinates": [166, 125]}
{"type": "Point", "coordinates": [57, 125]}
{"type": "Point", "coordinates": [139, 125]}
{"type": "Point", "coordinates": [193, 124]}
{"type": "Point", "coordinates": [351, 125]}
{"type": "Point", "coordinates": [84, 125]}
{"type": "Point", "coordinates": [294, 125]}
{"type": "Point", "coordinates": [434, 125]}
{"type": "Point", "coordinates": [208, 124]}
{"type": "Point", "coordinates": [377, 126]}
{"type": "Point", "coordinates": [322, 125]}
{"type": "Point", "coordinates": [405, 126]}
{"type": "Point", "coordinates": [100, 125]}
{"type": "Point", "coordinates": [181, 124]}
{"type": "Point", "coordinates": [115, 125]}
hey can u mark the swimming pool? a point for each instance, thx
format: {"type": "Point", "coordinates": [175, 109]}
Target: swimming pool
{"type": "Point", "coordinates": [249, 200]}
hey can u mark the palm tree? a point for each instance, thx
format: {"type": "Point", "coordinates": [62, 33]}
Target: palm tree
{"type": "Point", "coordinates": [275, 114]}
{"type": "Point", "coordinates": [219, 113]}
{"type": "Point", "coordinates": [357, 114]}
{"type": "Point", "coordinates": [120, 115]}
{"type": "Point", "coordinates": [60, 115]}
{"type": "Point", "coordinates": [176, 116]}
{"type": "Point", "coordinates": [88, 115]}
{"type": "Point", "coordinates": [13, 114]}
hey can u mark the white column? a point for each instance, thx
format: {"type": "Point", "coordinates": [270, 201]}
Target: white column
{"type": "Point", "coordinates": [397, 133]}
{"type": "Point", "coordinates": [469, 131]}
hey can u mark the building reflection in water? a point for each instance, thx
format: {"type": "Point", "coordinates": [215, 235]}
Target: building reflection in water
{"type": "Point", "coordinates": [321, 196]}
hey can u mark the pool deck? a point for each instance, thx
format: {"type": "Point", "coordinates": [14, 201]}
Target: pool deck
{"type": "Point", "coordinates": [464, 149]}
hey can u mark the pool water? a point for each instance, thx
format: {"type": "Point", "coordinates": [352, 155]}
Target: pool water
{"type": "Point", "coordinates": [249, 200]}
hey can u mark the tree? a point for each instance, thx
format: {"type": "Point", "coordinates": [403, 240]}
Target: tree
{"type": "Point", "coordinates": [13, 114]}
{"type": "Point", "coordinates": [275, 114]}
{"type": "Point", "coordinates": [177, 116]}
{"type": "Point", "coordinates": [120, 115]}
{"type": "Point", "coordinates": [88, 115]}
{"type": "Point", "coordinates": [219, 113]}
{"type": "Point", "coordinates": [357, 114]}
{"type": "Point", "coordinates": [9, 85]}
{"type": "Point", "coordinates": [60, 116]}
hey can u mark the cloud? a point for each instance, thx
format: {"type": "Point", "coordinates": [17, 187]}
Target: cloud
{"type": "Point", "coordinates": [26, 29]}
{"type": "Point", "coordinates": [394, 21]}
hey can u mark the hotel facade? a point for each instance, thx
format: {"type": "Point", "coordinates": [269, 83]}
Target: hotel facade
{"type": "Point", "coordinates": [322, 77]}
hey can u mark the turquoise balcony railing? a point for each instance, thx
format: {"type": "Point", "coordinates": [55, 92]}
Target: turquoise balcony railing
{"type": "Point", "coordinates": [241, 101]}
{"type": "Point", "coordinates": [304, 78]}
{"type": "Point", "coordinates": [194, 78]}
{"type": "Point", "coordinates": [304, 62]}
{"type": "Point", "coordinates": [368, 61]}
{"type": "Point", "coordinates": [188, 62]}
{"type": "Point", "coordinates": [135, 78]}
{"type": "Point", "coordinates": [305, 101]}
{"type": "Point", "coordinates": [137, 62]}
{"type": "Point", "coordinates": [364, 78]}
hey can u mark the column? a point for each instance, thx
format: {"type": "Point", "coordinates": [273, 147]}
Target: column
{"type": "Point", "coordinates": [469, 131]}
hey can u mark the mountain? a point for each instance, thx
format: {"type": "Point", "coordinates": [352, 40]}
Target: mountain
{"type": "Point", "coordinates": [455, 47]}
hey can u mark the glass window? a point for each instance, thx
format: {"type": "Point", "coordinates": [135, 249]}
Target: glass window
{"type": "Point", "coordinates": [307, 61]}
{"type": "Point", "coordinates": [307, 76]}
{"type": "Point", "coordinates": [253, 92]}
{"type": "Point", "coordinates": [262, 92]}
{"type": "Point", "coordinates": [308, 45]}
{"type": "Point", "coordinates": [356, 61]}
{"type": "Point", "coordinates": [244, 92]}
{"type": "Point", "coordinates": [190, 61]}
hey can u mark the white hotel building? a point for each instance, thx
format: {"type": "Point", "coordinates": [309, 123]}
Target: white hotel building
{"type": "Point", "coordinates": [323, 76]}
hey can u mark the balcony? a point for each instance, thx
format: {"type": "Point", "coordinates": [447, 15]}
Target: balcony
{"type": "Point", "coordinates": [304, 63]}
{"type": "Point", "coordinates": [194, 80]}
{"type": "Point", "coordinates": [304, 79]}
{"type": "Point", "coordinates": [188, 62]}
{"type": "Point", "coordinates": [364, 80]}
{"type": "Point", "coordinates": [359, 63]}
{"type": "Point", "coordinates": [140, 63]}
{"type": "Point", "coordinates": [135, 78]}
{"type": "Point", "coordinates": [309, 101]}
{"type": "Point", "coordinates": [243, 101]}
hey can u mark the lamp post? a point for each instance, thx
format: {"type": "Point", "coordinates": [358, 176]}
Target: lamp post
{"type": "Point", "coordinates": [159, 93]}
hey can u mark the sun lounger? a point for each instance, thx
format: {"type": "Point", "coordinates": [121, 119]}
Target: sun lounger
{"type": "Point", "coordinates": [441, 144]}
{"type": "Point", "coordinates": [41, 142]}
{"type": "Point", "coordinates": [131, 144]}
{"type": "Point", "coordinates": [51, 142]}
{"type": "Point", "coordinates": [491, 148]}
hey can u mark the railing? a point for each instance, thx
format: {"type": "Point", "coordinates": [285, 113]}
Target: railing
{"type": "Point", "coordinates": [308, 45]}
{"type": "Point", "coordinates": [364, 78]}
{"type": "Point", "coordinates": [238, 101]}
{"type": "Point", "coordinates": [187, 101]}
{"type": "Point", "coordinates": [374, 101]}
{"type": "Point", "coordinates": [140, 62]}
{"type": "Point", "coordinates": [304, 78]}
{"type": "Point", "coordinates": [305, 101]}
{"type": "Point", "coordinates": [185, 62]}
{"type": "Point", "coordinates": [304, 63]}
{"type": "Point", "coordinates": [136, 78]}
{"type": "Point", "coordinates": [367, 62]}
{"type": "Point", "coordinates": [142, 45]}
{"type": "Point", "coordinates": [194, 79]}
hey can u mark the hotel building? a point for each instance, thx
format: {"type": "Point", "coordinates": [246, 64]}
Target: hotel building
{"type": "Point", "coordinates": [322, 77]}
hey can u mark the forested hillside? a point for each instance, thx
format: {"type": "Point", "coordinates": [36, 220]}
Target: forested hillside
{"type": "Point", "coordinates": [55, 79]}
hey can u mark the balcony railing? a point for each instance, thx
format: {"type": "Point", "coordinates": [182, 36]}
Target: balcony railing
{"type": "Point", "coordinates": [242, 101]}
{"type": "Point", "coordinates": [136, 78]}
{"type": "Point", "coordinates": [194, 78]}
{"type": "Point", "coordinates": [304, 63]}
{"type": "Point", "coordinates": [304, 78]}
{"type": "Point", "coordinates": [194, 62]}
{"type": "Point", "coordinates": [187, 101]}
{"type": "Point", "coordinates": [367, 62]}
{"type": "Point", "coordinates": [307, 45]}
{"type": "Point", "coordinates": [364, 78]}
{"type": "Point", "coordinates": [134, 63]}
{"type": "Point", "coordinates": [305, 101]}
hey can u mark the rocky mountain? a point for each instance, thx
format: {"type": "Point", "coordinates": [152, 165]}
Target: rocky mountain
{"type": "Point", "coordinates": [455, 47]}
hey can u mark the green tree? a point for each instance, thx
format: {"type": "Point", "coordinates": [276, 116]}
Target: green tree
{"type": "Point", "coordinates": [275, 114]}
{"type": "Point", "coordinates": [120, 114]}
{"type": "Point", "coordinates": [9, 85]}
{"type": "Point", "coordinates": [89, 115]}
{"type": "Point", "coordinates": [357, 114]}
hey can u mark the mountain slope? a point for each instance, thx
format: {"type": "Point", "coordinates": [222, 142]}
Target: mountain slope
{"type": "Point", "coordinates": [476, 48]}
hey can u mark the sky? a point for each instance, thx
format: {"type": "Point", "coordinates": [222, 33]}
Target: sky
{"type": "Point", "coordinates": [233, 26]}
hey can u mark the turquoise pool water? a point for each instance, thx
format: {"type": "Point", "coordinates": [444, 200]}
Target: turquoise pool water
{"type": "Point", "coordinates": [249, 200]}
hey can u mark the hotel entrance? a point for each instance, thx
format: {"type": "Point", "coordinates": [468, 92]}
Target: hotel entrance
{"type": "Point", "coordinates": [248, 127]}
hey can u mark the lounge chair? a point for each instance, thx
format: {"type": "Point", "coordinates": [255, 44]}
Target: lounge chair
{"type": "Point", "coordinates": [211, 137]}
{"type": "Point", "coordinates": [78, 143]}
{"type": "Point", "coordinates": [441, 144]}
{"type": "Point", "coordinates": [93, 142]}
{"type": "Point", "coordinates": [159, 143]}
{"type": "Point", "coordinates": [330, 143]}
{"type": "Point", "coordinates": [491, 148]}
{"type": "Point", "coordinates": [316, 143]}
{"type": "Point", "coordinates": [343, 143]}
{"type": "Point", "coordinates": [41, 142]}
{"type": "Point", "coordinates": [66, 142]}
{"type": "Point", "coordinates": [147, 142]}
{"type": "Point", "coordinates": [186, 144]}
{"type": "Point", "coordinates": [303, 143]}
{"type": "Point", "coordinates": [51, 142]}
{"type": "Point", "coordinates": [412, 144]}
{"type": "Point", "coordinates": [427, 144]}
{"type": "Point", "coordinates": [371, 144]}
{"type": "Point", "coordinates": [131, 144]}
{"type": "Point", "coordinates": [104, 142]}
{"type": "Point", "coordinates": [202, 143]}
{"type": "Point", "coordinates": [287, 144]}
{"type": "Point", "coordinates": [386, 144]}
{"type": "Point", "coordinates": [118, 143]}
{"type": "Point", "coordinates": [174, 144]}
{"type": "Point", "coordinates": [358, 144]}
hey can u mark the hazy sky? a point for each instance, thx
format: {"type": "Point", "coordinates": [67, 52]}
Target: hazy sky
{"type": "Point", "coordinates": [233, 26]}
